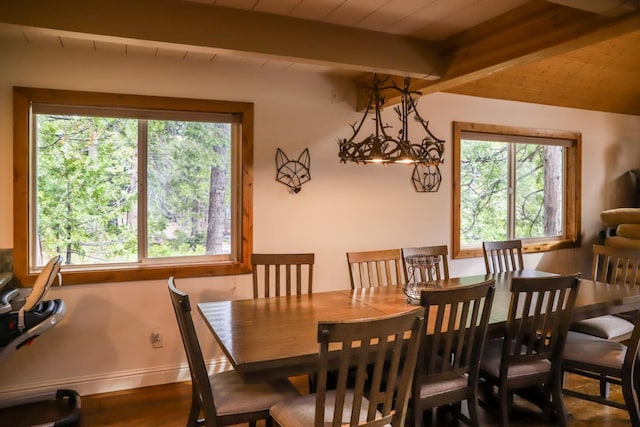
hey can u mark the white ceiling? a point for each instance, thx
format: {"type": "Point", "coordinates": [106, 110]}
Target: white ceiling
{"type": "Point", "coordinates": [433, 20]}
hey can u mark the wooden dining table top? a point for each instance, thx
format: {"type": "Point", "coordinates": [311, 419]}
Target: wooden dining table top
{"type": "Point", "coordinates": [274, 337]}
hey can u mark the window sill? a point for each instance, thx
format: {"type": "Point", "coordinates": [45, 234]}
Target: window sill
{"type": "Point", "coordinates": [533, 247]}
{"type": "Point", "coordinates": [138, 273]}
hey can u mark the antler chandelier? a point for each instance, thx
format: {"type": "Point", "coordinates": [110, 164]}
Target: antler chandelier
{"type": "Point", "coordinates": [380, 146]}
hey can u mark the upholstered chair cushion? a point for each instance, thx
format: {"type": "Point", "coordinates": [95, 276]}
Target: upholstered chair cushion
{"type": "Point", "coordinates": [623, 242]}
{"type": "Point", "coordinates": [440, 387]}
{"type": "Point", "coordinates": [607, 327]}
{"type": "Point", "coordinates": [630, 231]}
{"type": "Point", "coordinates": [616, 216]}
{"type": "Point", "coordinates": [232, 395]}
{"type": "Point", "coordinates": [589, 349]}
{"type": "Point", "coordinates": [492, 357]}
{"type": "Point", "coordinates": [301, 410]}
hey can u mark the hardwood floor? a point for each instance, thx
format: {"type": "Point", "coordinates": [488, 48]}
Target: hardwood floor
{"type": "Point", "coordinates": [168, 406]}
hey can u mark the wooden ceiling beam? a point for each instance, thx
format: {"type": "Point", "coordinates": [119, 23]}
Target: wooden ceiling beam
{"type": "Point", "coordinates": [202, 27]}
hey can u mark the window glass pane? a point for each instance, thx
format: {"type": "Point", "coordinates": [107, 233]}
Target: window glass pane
{"type": "Point", "coordinates": [86, 193]}
{"type": "Point", "coordinates": [189, 188]}
{"type": "Point", "coordinates": [483, 191]}
{"type": "Point", "coordinates": [539, 189]}
{"type": "Point", "coordinates": [515, 183]}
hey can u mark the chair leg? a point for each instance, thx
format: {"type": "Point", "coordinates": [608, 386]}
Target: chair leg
{"type": "Point", "coordinates": [605, 389]}
{"type": "Point", "coordinates": [194, 412]}
{"type": "Point", "coordinates": [472, 405]}
{"type": "Point", "coordinates": [558, 404]}
{"type": "Point", "coordinates": [457, 410]}
{"type": "Point", "coordinates": [631, 401]}
{"type": "Point", "coordinates": [546, 402]}
{"type": "Point", "coordinates": [427, 417]}
{"type": "Point", "coordinates": [505, 398]}
{"type": "Point", "coordinates": [415, 411]}
{"type": "Point", "coordinates": [313, 379]}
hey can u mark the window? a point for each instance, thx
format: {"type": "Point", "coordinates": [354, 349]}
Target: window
{"type": "Point", "coordinates": [515, 183]}
{"type": "Point", "coordinates": [129, 187]}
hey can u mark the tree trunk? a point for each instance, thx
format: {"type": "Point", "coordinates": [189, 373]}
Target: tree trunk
{"type": "Point", "coordinates": [216, 215]}
{"type": "Point", "coordinates": [553, 191]}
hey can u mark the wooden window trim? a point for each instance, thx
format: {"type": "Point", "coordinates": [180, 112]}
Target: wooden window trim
{"type": "Point", "coordinates": [573, 196]}
{"type": "Point", "coordinates": [23, 98]}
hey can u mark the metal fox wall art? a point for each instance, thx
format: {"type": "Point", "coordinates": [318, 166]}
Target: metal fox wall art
{"type": "Point", "coordinates": [293, 173]}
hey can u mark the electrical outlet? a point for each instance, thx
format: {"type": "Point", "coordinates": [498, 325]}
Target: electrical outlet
{"type": "Point", "coordinates": [336, 97]}
{"type": "Point", "coordinates": [156, 338]}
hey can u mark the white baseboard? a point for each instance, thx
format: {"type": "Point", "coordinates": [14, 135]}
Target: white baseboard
{"type": "Point", "coordinates": [113, 381]}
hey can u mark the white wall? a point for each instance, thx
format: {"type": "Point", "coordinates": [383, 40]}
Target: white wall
{"type": "Point", "coordinates": [103, 343]}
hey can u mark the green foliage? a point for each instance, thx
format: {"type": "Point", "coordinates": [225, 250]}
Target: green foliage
{"type": "Point", "coordinates": [181, 158]}
{"type": "Point", "coordinates": [485, 190]}
{"type": "Point", "coordinates": [87, 186]}
{"type": "Point", "coordinates": [530, 190]}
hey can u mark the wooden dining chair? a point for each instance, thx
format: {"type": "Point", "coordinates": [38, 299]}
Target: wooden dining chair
{"type": "Point", "coordinates": [447, 369]}
{"type": "Point", "coordinates": [605, 360]}
{"type": "Point", "coordinates": [389, 345]}
{"type": "Point", "coordinates": [502, 256]}
{"type": "Point", "coordinates": [282, 274]}
{"type": "Point", "coordinates": [223, 398]}
{"type": "Point", "coordinates": [530, 354]}
{"type": "Point", "coordinates": [375, 268]}
{"type": "Point", "coordinates": [425, 263]}
{"type": "Point", "coordinates": [615, 266]}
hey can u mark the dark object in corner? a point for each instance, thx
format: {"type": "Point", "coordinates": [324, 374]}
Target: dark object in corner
{"type": "Point", "coordinates": [603, 234]}
{"type": "Point", "coordinates": [634, 178]}
{"type": "Point", "coordinates": [22, 321]}
{"type": "Point", "coordinates": [63, 405]}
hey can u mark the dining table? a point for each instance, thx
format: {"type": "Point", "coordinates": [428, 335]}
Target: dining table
{"type": "Point", "coordinates": [268, 338]}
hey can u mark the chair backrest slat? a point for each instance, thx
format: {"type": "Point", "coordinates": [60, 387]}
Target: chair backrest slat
{"type": "Point", "coordinates": [375, 268]}
{"type": "Point", "coordinates": [386, 346]}
{"type": "Point", "coordinates": [615, 265]}
{"type": "Point", "coordinates": [503, 256]}
{"type": "Point", "coordinates": [282, 274]}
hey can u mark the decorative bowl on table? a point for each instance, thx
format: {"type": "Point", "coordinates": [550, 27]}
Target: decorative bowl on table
{"type": "Point", "coordinates": [423, 260]}
{"type": "Point", "coordinates": [422, 267]}
{"type": "Point", "coordinates": [413, 289]}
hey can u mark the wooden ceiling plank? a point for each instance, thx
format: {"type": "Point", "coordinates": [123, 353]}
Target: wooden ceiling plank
{"type": "Point", "coordinates": [602, 77]}
{"type": "Point", "coordinates": [506, 42]}
{"type": "Point", "coordinates": [614, 104]}
{"type": "Point", "coordinates": [560, 31]}
{"type": "Point", "coordinates": [541, 83]}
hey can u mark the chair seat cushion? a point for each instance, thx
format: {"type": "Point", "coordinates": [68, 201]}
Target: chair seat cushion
{"type": "Point", "coordinates": [301, 410]}
{"type": "Point", "coordinates": [587, 349]}
{"type": "Point", "coordinates": [441, 387]}
{"type": "Point", "coordinates": [613, 217]}
{"type": "Point", "coordinates": [622, 242]}
{"type": "Point", "coordinates": [232, 395]}
{"type": "Point", "coordinates": [492, 357]}
{"type": "Point", "coordinates": [607, 327]}
{"type": "Point", "coordinates": [630, 231]}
